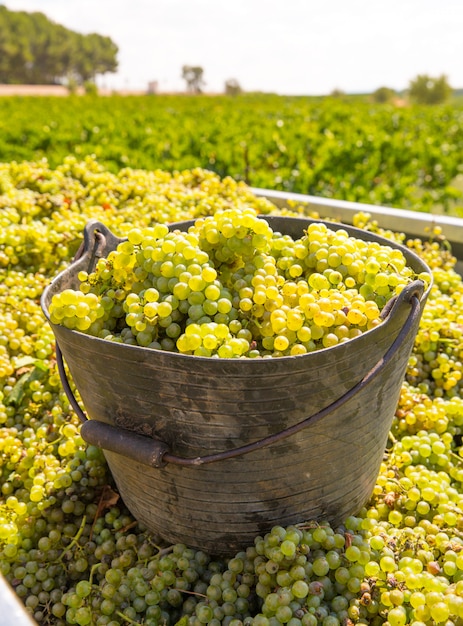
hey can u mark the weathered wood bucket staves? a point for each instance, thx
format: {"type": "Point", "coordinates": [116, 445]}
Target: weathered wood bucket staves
{"type": "Point", "coordinates": [213, 452]}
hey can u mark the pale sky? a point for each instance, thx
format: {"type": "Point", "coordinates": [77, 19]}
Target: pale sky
{"type": "Point", "coordinates": [300, 47]}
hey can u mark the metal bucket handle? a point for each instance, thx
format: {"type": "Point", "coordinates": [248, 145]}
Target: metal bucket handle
{"type": "Point", "coordinates": [154, 452]}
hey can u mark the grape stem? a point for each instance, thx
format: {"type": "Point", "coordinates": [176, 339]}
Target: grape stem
{"type": "Point", "coordinates": [163, 551]}
{"type": "Point", "coordinates": [76, 538]}
{"type": "Point", "coordinates": [92, 571]}
{"type": "Point", "coordinates": [127, 619]}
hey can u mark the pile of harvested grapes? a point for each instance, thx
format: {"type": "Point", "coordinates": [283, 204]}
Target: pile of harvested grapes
{"type": "Point", "coordinates": [69, 547]}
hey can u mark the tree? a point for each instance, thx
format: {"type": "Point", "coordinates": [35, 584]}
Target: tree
{"type": "Point", "coordinates": [384, 94]}
{"type": "Point", "coordinates": [94, 55]}
{"type": "Point", "coordinates": [193, 75]}
{"type": "Point", "coordinates": [426, 90]}
{"type": "Point", "coordinates": [35, 50]}
{"type": "Point", "coordinates": [232, 87]}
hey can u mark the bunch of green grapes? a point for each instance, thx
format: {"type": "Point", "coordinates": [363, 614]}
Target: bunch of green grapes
{"type": "Point", "coordinates": [230, 287]}
{"type": "Point", "coordinates": [337, 259]}
{"type": "Point", "coordinates": [233, 237]}
{"type": "Point", "coordinates": [435, 367]}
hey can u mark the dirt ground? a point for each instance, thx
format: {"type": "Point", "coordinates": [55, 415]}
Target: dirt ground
{"type": "Point", "coordinates": [33, 90]}
{"type": "Point", "coordinates": [53, 90]}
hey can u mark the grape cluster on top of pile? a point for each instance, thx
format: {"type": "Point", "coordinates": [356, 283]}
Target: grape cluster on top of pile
{"type": "Point", "coordinates": [232, 287]}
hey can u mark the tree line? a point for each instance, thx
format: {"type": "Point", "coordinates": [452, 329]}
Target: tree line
{"type": "Point", "coordinates": [35, 50]}
{"type": "Point", "coordinates": [423, 89]}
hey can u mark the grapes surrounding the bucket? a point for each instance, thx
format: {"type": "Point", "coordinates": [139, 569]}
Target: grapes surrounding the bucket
{"type": "Point", "coordinates": [231, 287]}
{"type": "Point", "coordinates": [72, 552]}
